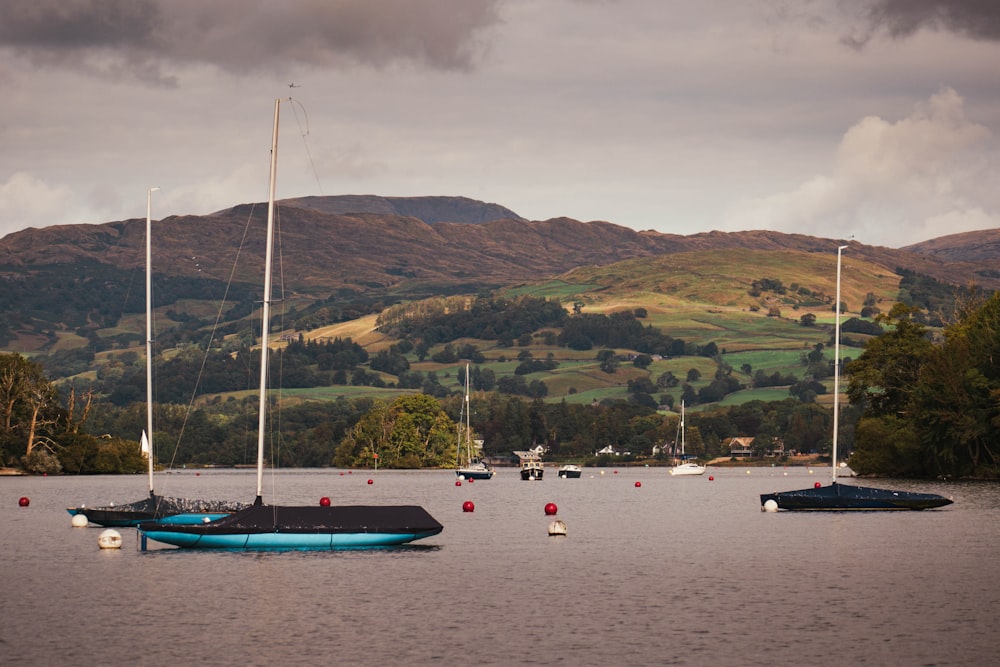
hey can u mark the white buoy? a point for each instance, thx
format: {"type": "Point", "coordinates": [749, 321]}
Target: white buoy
{"type": "Point", "coordinates": [771, 506]}
{"type": "Point", "coordinates": [557, 528]}
{"type": "Point", "coordinates": [110, 539]}
{"type": "Point", "coordinates": [79, 521]}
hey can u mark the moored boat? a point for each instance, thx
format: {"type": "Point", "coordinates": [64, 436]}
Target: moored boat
{"type": "Point", "coordinates": [685, 467]}
{"type": "Point", "coordinates": [322, 526]}
{"type": "Point", "coordinates": [850, 497]}
{"type": "Point", "coordinates": [840, 497]}
{"type": "Point", "coordinates": [153, 507]}
{"type": "Point", "coordinates": [470, 465]}
{"type": "Point", "coordinates": [570, 471]}
{"type": "Point", "coordinates": [532, 470]}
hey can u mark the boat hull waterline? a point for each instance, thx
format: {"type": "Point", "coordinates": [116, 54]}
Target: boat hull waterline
{"type": "Point", "coordinates": [309, 528]}
{"type": "Point", "coordinates": [846, 497]}
{"type": "Point", "coordinates": [475, 473]}
{"type": "Point", "coordinates": [687, 469]}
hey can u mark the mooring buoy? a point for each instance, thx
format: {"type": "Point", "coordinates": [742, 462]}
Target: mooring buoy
{"type": "Point", "coordinates": [110, 539]}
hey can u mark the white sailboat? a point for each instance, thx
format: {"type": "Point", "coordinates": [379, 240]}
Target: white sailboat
{"type": "Point", "coordinates": [469, 463]}
{"type": "Point", "coordinates": [322, 526]}
{"type": "Point", "coordinates": [685, 467]}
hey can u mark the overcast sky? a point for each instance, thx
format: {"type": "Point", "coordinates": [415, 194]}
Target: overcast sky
{"type": "Point", "coordinates": [872, 118]}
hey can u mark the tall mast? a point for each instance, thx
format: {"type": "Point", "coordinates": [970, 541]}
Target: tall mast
{"type": "Point", "coordinates": [266, 310]}
{"type": "Point", "coordinates": [836, 368]}
{"type": "Point", "coordinates": [468, 417]}
{"type": "Point", "coordinates": [149, 332]}
{"type": "Point", "coordinates": [682, 431]}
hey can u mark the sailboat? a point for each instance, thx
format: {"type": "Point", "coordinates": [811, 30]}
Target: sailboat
{"type": "Point", "coordinates": [473, 467]}
{"type": "Point", "coordinates": [322, 526]}
{"type": "Point", "coordinates": [153, 507]}
{"type": "Point", "coordinates": [839, 497]}
{"type": "Point", "coordinates": [685, 467]}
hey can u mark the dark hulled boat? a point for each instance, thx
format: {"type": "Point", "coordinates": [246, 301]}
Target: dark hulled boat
{"type": "Point", "coordinates": [279, 527]}
{"type": "Point", "coordinates": [293, 527]}
{"type": "Point", "coordinates": [841, 497]}
{"type": "Point", "coordinates": [156, 508]}
{"type": "Point", "coordinates": [153, 507]}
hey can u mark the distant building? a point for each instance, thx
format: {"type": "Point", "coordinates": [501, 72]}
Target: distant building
{"type": "Point", "coordinates": [742, 448]}
{"type": "Point", "coordinates": [609, 450]}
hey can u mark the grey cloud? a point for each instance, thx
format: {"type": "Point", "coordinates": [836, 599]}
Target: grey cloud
{"type": "Point", "coordinates": [147, 39]}
{"type": "Point", "coordinates": [976, 19]}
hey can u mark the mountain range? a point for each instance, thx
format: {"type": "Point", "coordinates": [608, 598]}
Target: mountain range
{"type": "Point", "coordinates": [405, 246]}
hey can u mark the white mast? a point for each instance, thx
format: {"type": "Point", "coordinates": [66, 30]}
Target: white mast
{"type": "Point", "coordinates": [149, 332]}
{"type": "Point", "coordinates": [468, 418]}
{"type": "Point", "coordinates": [266, 310]}
{"type": "Point", "coordinates": [836, 368]}
{"type": "Point", "coordinates": [682, 431]}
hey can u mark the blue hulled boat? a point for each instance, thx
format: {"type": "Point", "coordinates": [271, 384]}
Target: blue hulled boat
{"type": "Point", "coordinates": [293, 527]}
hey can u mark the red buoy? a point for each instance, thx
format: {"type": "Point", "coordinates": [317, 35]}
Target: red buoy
{"type": "Point", "coordinates": [324, 502]}
{"type": "Point", "coordinates": [817, 485]}
{"type": "Point", "coordinates": [458, 482]}
{"type": "Point", "coordinates": [551, 509]}
{"type": "Point", "coordinates": [638, 484]}
{"type": "Point", "coordinates": [616, 472]}
{"type": "Point", "coordinates": [371, 481]}
{"type": "Point", "coordinates": [711, 478]}
{"type": "Point", "coordinates": [23, 501]}
{"type": "Point", "coordinates": [468, 506]}
{"type": "Point", "coordinates": [471, 480]}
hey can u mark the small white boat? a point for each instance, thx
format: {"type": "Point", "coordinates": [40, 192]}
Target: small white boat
{"type": "Point", "coordinates": [570, 471]}
{"type": "Point", "coordinates": [688, 468]}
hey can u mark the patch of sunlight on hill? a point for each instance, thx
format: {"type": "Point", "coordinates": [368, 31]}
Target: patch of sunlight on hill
{"type": "Point", "coordinates": [724, 278]}
{"type": "Point", "coordinates": [362, 331]}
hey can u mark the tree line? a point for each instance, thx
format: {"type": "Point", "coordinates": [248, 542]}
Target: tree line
{"type": "Point", "coordinates": [930, 409]}
{"type": "Point", "coordinates": [922, 407]}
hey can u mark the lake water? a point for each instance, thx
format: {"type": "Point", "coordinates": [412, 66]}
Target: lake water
{"type": "Point", "coordinates": [677, 571]}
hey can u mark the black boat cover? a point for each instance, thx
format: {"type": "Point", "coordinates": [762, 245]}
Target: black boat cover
{"type": "Point", "coordinates": [261, 518]}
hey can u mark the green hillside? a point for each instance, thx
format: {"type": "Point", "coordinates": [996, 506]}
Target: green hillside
{"type": "Point", "coordinates": [701, 297]}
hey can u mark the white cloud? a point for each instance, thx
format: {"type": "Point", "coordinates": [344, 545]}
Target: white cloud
{"type": "Point", "coordinates": [892, 183]}
{"type": "Point", "coordinates": [26, 201]}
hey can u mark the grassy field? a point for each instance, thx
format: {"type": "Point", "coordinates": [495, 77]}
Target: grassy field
{"type": "Point", "coordinates": [699, 297]}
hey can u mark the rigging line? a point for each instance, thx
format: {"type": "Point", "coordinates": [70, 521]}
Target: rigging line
{"type": "Point", "coordinates": [292, 102]}
{"type": "Point", "coordinates": [140, 257]}
{"type": "Point", "coordinates": [211, 338]}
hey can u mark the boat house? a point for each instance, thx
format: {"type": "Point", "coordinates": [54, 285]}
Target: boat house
{"type": "Point", "coordinates": [742, 448]}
